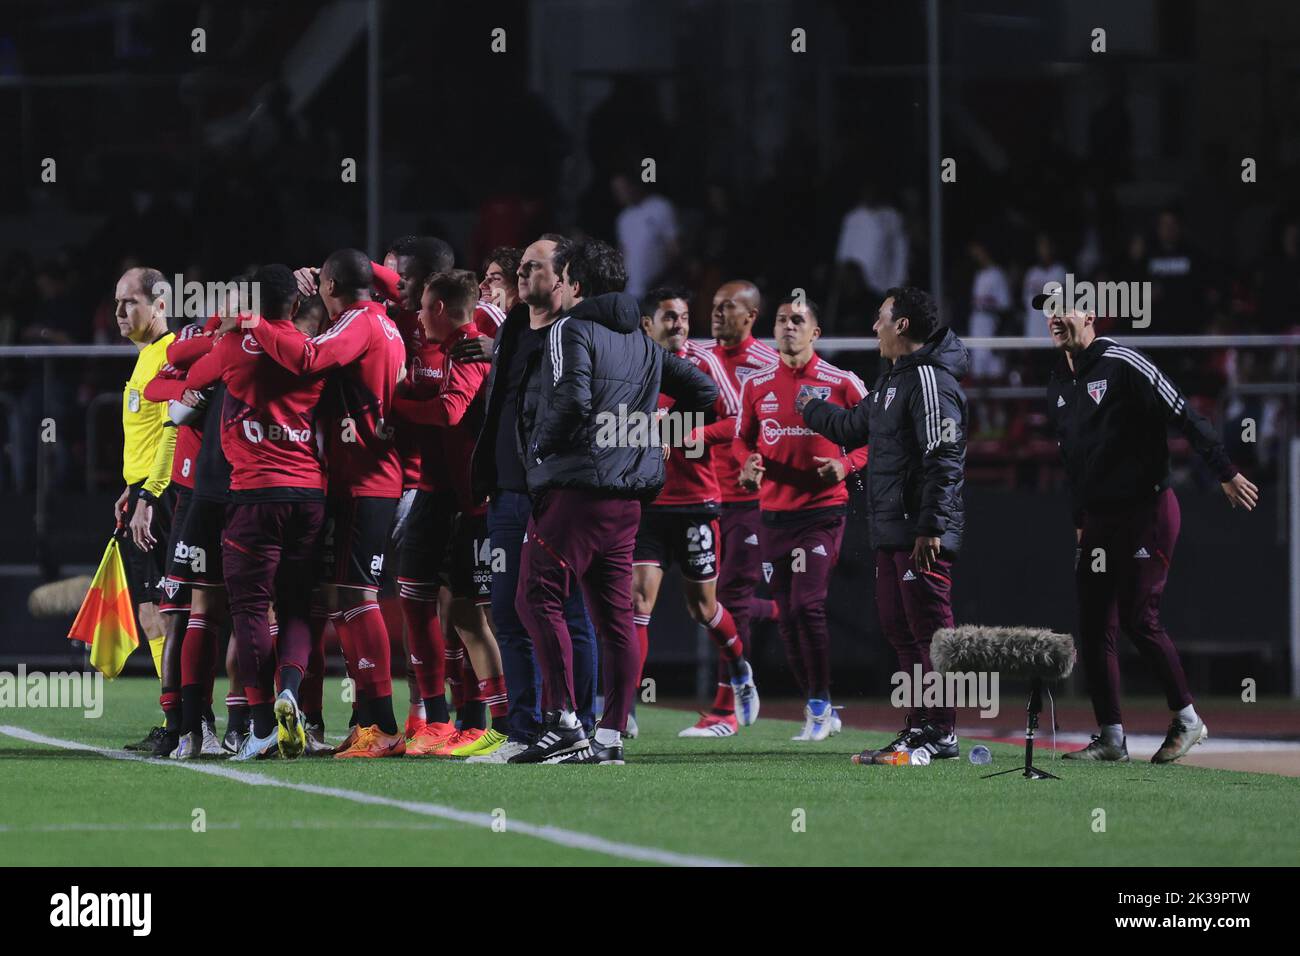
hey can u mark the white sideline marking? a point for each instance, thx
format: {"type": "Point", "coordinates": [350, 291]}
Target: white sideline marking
{"type": "Point", "coordinates": [235, 825]}
{"type": "Point", "coordinates": [551, 834]}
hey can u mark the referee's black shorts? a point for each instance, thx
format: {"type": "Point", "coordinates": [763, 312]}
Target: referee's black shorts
{"type": "Point", "coordinates": [145, 569]}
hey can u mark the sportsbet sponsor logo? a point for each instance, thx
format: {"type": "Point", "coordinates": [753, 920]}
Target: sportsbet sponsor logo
{"type": "Point", "coordinates": [255, 432]}
{"type": "Point", "coordinates": [774, 431]}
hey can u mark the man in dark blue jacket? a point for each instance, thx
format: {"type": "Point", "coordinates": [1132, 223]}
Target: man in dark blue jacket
{"type": "Point", "coordinates": [915, 422]}
{"type": "Point", "coordinates": [588, 426]}
{"type": "Point", "coordinates": [497, 473]}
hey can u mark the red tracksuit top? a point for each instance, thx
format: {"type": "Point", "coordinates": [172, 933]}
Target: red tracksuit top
{"type": "Point", "coordinates": [366, 348]}
{"type": "Point", "coordinates": [168, 386]}
{"type": "Point", "coordinates": [771, 425]}
{"type": "Point", "coordinates": [442, 410]}
{"type": "Point", "coordinates": [740, 362]}
{"type": "Point", "coordinates": [693, 481]}
{"type": "Point", "coordinates": [268, 422]}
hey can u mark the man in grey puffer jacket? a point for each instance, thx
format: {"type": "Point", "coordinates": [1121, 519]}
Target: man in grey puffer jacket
{"type": "Point", "coordinates": [593, 391]}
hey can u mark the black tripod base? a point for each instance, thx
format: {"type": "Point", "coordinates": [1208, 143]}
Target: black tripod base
{"type": "Point", "coordinates": [1033, 708]}
{"type": "Point", "coordinates": [1031, 773]}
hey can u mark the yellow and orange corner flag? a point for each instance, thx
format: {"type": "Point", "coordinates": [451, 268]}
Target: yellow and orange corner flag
{"type": "Point", "coordinates": [106, 620]}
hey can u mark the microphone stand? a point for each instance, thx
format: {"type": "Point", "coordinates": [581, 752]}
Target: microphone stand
{"type": "Point", "coordinates": [1034, 707]}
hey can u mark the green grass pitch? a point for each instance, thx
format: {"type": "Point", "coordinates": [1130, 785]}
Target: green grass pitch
{"type": "Point", "coordinates": [755, 799]}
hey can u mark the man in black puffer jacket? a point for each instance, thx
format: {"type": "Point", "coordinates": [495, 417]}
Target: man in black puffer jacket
{"type": "Point", "coordinates": [915, 423]}
{"type": "Point", "coordinates": [592, 456]}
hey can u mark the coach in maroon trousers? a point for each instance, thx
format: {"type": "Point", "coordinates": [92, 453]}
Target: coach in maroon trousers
{"type": "Point", "coordinates": [915, 420]}
{"type": "Point", "coordinates": [1110, 408]}
{"type": "Point", "coordinates": [595, 371]}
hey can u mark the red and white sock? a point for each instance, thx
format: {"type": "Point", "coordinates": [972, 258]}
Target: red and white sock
{"type": "Point", "coordinates": [642, 622]}
{"type": "Point", "coordinates": [722, 630]}
{"type": "Point", "coordinates": [493, 693]}
{"type": "Point", "coordinates": [724, 700]}
{"type": "Point", "coordinates": [428, 650]}
{"type": "Point", "coordinates": [362, 628]}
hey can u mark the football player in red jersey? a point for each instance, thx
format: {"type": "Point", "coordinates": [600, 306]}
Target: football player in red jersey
{"type": "Point", "coordinates": [734, 310]}
{"type": "Point", "coordinates": [447, 541]}
{"type": "Point", "coordinates": [408, 263]}
{"type": "Point", "coordinates": [365, 477]}
{"type": "Point", "coordinates": [802, 498]}
{"type": "Point", "coordinates": [681, 525]}
{"type": "Point", "coordinates": [276, 514]}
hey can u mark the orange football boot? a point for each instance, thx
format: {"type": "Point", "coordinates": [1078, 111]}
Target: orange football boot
{"type": "Point", "coordinates": [373, 742]}
{"type": "Point", "coordinates": [457, 740]}
{"type": "Point", "coordinates": [429, 739]}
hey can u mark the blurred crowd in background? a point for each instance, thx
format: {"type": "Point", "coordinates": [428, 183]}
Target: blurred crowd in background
{"type": "Point", "coordinates": [233, 166]}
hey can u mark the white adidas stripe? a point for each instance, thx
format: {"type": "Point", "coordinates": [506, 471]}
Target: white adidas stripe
{"type": "Point", "coordinates": [1164, 388]}
{"type": "Point", "coordinates": [572, 839]}
{"type": "Point", "coordinates": [557, 351]}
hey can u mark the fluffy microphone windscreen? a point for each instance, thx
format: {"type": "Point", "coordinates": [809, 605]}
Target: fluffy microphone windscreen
{"type": "Point", "coordinates": [1014, 651]}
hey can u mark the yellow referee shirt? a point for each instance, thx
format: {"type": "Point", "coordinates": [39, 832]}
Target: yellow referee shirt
{"type": "Point", "coordinates": [142, 422]}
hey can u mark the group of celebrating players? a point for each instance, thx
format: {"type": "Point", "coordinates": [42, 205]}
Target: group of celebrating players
{"type": "Point", "coordinates": [412, 414]}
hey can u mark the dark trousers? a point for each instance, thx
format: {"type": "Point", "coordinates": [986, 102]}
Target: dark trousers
{"type": "Point", "coordinates": [270, 551]}
{"type": "Point", "coordinates": [740, 566]}
{"type": "Point", "coordinates": [507, 520]}
{"type": "Point", "coordinates": [1135, 547]}
{"type": "Point", "coordinates": [801, 554]}
{"type": "Point", "coordinates": [913, 605]}
{"type": "Point", "coordinates": [578, 539]}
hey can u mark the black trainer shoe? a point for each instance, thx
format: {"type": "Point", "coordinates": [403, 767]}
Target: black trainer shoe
{"type": "Point", "coordinates": [165, 743]}
{"type": "Point", "coordinates": [909, 738]}
{"type": "Point", "coordinates": [941, 743]}
{"type": "Point", "coordinates": [595, 753]}
{"type": "Point", "coordinates": [148, 741]}
{"type": "Point", "coordinates": [554, 741]}
{"type": "Point", "coordinates": [233, 742]}
{"type": "Point", "coordinates": [1098, 749]}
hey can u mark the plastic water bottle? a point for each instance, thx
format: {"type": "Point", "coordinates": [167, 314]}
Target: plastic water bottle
{"type": "Point", "coordinates": [920, 758]}
{"type": "Point", "coordinates": [979, 754]}
{"type": "Point", "coordinates": [893, 758]}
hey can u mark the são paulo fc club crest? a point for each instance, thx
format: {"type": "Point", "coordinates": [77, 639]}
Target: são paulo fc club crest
{"type": "Point", "coordinates": [1097, 390]}
{"type": "Point", "coordinates": [809, 392]}
{"type": "Point", "coordinates": [889, 395]}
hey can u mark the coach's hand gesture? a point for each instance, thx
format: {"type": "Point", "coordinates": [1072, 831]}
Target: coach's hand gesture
{"type": "Point", "coordinates": [476, 348]}
{"type": "Point", "coordinates": [1241, 492]}
{"type": "Point", "coordinates": [141, 526]}
{"type": "Point", "coordinates": [925, 553]}
{"type": "Point", "coordinates": [751, 472]}
{"type": "Point", "coordinates": [830, 470]}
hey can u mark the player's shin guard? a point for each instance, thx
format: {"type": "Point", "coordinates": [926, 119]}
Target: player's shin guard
{"type": "Point", "coordinates": [311, 692]}
{"type": "Point", "coordinates": [428, 649]}
{"type": "Point", "coordinates": [198, 667]}
{"type": "Point", "coordinates": [642, 622]}
{"type": "Point", "coordinates": [493, 694]}
{"type": "Point", "coordinates": [362, 627]}
{"type": "Point", "coordinates": [722, 631]}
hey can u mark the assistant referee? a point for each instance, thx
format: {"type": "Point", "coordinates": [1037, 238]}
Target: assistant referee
{"type": "Point", "coordinates": [149, 440]}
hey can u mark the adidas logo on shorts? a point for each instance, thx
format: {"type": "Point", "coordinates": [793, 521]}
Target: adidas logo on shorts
{"type": "Point", "coordinates": [416, 660]}
{"type": "Point", "coordinates": [752, 539]}
{"type": "Point", "coordinates": [365, 664]}
{"type": "Point", "coordinates": [820, 549]}
{"type": "Point", "coordinates": [1141, 553]}
{"type": "Point", "coordinates": [909, 576]}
